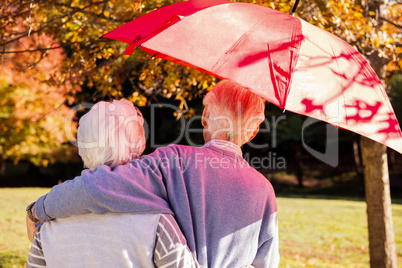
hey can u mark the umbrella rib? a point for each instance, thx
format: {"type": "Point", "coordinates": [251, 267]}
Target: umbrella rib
{"type": "Point", "coordinates": [339, 71]}
{"type": "Point", "coordinates": [224, 57]}
{"type": "Point", "coordinates": [292, 66]}
{"type": "Point", "coordinates": [273, 77]}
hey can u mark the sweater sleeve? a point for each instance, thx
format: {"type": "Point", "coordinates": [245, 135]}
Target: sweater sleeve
{"type": "Point", "coordinates": [36, 259]}
{"type": "Point", "coordinates": [171, 250]}
{"type": "Point", "coordinates": [136, 187]}
{"type": "Point", "coordinates": [268, 251]}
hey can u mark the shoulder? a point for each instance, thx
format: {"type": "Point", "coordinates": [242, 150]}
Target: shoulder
{"type": "Point", "coordinates": [182, 149]}
{"type": "Point", "coordinates": [172, 149]}
{"type": "Point", "coordinates": [264, 184]}
{"type": "Point", "coordinates": [176, 150]}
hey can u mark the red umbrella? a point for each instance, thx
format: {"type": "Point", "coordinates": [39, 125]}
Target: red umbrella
{"type": "Point", "coordinates": [282, 58]}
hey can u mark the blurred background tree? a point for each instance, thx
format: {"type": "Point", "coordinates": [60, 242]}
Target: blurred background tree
{"type": "Point", "coordinates": [98, 64]}
{"type": "Point", "coordinates": [33, 111]}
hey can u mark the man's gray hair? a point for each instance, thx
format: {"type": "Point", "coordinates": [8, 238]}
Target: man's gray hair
{"type": "Point", "coordinates": [111, 133]}
{"type": "Point", "coordinates": [233, 112]}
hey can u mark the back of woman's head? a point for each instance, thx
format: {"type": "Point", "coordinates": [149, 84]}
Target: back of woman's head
{"type": "Point", "coordinates": [111, 133]}
{"type": "Point", "coordinates": [233, 112]}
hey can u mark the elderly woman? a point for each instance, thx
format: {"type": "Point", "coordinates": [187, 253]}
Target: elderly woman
{"type": "Point", "coordinates": [111, 134]}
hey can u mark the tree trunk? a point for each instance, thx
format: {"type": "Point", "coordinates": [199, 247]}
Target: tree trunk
{"type": "Point", "coordinates": [378, 198]}
{"type": "Point", "coordinates": [376, 176]}
{"type": "Point", "coordinates": [357, 157]}
{"type": "Point", "coordinates": [2, 167]}
{"type": "Point", "coordinates": [299, 167]}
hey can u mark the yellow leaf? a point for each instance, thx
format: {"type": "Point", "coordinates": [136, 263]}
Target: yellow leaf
{"type": "Point", "coordinates": [106, 13]}
{"type": "Point", "coordinates": [45, 162]}
{"type": "Point", "coordinates": [390, 40]}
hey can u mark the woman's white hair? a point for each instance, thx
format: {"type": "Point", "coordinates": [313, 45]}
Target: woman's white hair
{"type": "Point", "coordinates": [233, 112]}
{"type": "Point", "coordinates": [111, 133]}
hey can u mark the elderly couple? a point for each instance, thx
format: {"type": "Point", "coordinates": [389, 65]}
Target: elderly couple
{"type": "Point", "coordinates": [173, 208]}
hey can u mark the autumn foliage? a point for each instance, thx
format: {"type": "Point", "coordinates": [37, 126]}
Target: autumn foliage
{"type": "Point", "coordinates": [34, 115]}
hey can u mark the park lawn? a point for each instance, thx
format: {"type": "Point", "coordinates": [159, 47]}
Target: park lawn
{"type": "Point", "coordinates": [14, 243]}
{"type": "Point", "coordinates": [317, 232]}
{"type": "Point", "coordinates": [314, 232]}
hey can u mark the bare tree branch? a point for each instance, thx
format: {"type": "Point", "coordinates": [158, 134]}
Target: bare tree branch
{"type": "Point", "coordinates": [38, 30]}
{"type": "Point", "coordinates": [76, 9]}
{"type": "Point", "coordinates": [15, 15]}
{"type": "Point", "coordinates": [29, 19]}
{"type": "Point", "coordinates": [391, 22]}
{"type": "Point", "coordinates": [62, 45]}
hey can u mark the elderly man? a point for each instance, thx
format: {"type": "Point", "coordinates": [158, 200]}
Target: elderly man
{"type": "Point", "coordinates": [225, 208]}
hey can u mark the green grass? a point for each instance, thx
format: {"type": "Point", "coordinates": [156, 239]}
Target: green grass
{"type": "Point", "coordinates": [314, 232]}
{"type": "Point", "coordinates": [332, 233]}
{"type": "Point", "coordinates": [14, 243]}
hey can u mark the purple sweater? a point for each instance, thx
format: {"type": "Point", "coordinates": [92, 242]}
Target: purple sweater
{"type": "Point", "coordinates": [225, 208]}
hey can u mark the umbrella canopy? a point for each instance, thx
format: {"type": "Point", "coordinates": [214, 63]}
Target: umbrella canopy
{"type": "Point", "coordinates": [282, 58]}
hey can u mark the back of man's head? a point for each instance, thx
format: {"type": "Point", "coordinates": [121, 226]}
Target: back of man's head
{"type": "Point", "coordinates": [111, 133]}
{"type": "Point", "coordinates": [232, 112]}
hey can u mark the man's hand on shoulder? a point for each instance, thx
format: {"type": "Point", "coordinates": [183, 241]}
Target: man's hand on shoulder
{"type": "Point", "coordinates": [32, 221]}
